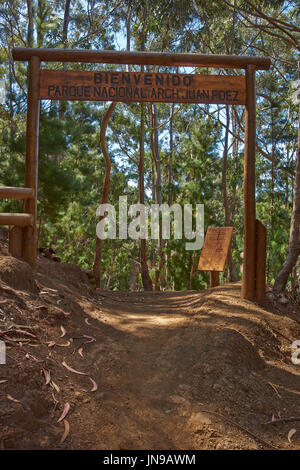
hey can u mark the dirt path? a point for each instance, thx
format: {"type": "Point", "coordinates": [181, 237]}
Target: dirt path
{"type": "Point", "coordinates": [182, 370]}
{"type": "Point", "coordinates": [162, 359]}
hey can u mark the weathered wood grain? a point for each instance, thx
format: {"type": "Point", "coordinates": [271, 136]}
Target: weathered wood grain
{"type": "Point", "coordinates": [15, 242]}
{"type": "Point", "coordinates": [141, 87]}
{"type": "Point", "coordinates": [15, 193]}
{"type": "Point", "coordinates": [248, 281]}
{"type": "Point", "coordinates": [31, 163]}
{"type": "Point", "coordinates": [20, 220]}
{"type": "Point", "coordinates": [261, 255]}
{"type": "Point", "coordinates": [142, 58]}
{"type": "Point", "coordinates": [215, 249]}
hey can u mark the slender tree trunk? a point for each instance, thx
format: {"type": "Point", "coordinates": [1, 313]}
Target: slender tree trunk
{"type": "Point", "coordinates": [146, 280]}
{"type": "Point", "coordinates": [147, 283]}
{"type": "Point", "coordinates": [30, 30]}
{"type": "Point", "coordinates": [62, 103]}
{"type": "Point", "coordinates": [133, 276]}
{"type": "Point", "coordinates": [225, 195]}
{"type": "Point", "coordinates": [170, 181]}
{"type": "Point", "coordinates": [271, 213]}
{"type": "Point", "coordinates": [170, 165]}
{"type": "Point", "coordinates": [104, 200]}
{"type": "Point", "coordinates": [128, 32]}
{"type": "Point", "coordinates": [133, 268]}
{"type": "Point", "coordinates": [155, 152]}
{"type": "Point", "coordinates": [192, 270]}
{"type": "Point", "coordinates": [294, 241]}
{"type": "Point", "coordinates": [134, 251]}
{"type": "Point", "coordinates": [66, 22]}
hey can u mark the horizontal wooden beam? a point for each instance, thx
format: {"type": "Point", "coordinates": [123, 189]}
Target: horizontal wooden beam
{"type": "Point", "coordinates": [139, 87]}
{"type": "Point", "coordinates": [16, 193]}
{"type": "Point", "coordinates": [19, 220]}
{"type": "Point", "coordinates": [141, 58]}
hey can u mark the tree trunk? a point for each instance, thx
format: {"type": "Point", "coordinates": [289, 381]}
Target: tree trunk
{"type": "Point", "coordinates": [294, 241]}
{"type": "Point", "coordinates": [225, 196]}
{"type": "Point", "coordinates": [146, 280]}
{"type": "Point", "coordinates": [147, 283]}
{"type": "Point", "coordinates": [98, 252]}
{"type": "Point", "coordinates": [62, 103]}
{"type": "Point", "coordinates": [159, 273]}
{"type": "Point", "coordinates": [30, 30]}
{"type": "Point", "coordinates": [170, 165]}
{"type": "Point", "coordinates": [66, 22]}
{"type": "Point", "coordinates": [133, 268]}
{"type": "Point", "coordinates": [192, 270]}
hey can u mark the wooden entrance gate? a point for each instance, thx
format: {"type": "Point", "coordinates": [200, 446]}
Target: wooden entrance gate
{"type": "Point", "coordinates": [158, 87]}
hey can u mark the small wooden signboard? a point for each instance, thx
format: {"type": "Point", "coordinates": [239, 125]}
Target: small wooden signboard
{"type": "Point", "coordinates": [139, 87]}
{"type": "Point", "coordinates": [215, 251]}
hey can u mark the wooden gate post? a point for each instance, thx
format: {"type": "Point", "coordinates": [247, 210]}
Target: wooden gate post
{"type": "Point", "coordinates": [248, 283]}
{"type": "Point", "coordinates": [261, 254]}
{"type": "Point", "coordinates": [31, 162]}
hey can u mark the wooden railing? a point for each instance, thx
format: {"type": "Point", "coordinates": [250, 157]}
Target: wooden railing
{"type": "Point", "coordinates": [16, 193]}
{"type": "Point", "coordinates": [18, 220]}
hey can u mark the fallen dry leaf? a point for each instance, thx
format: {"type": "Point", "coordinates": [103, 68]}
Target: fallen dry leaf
{"type": "Point", "coordinates": [60, 310]}
{"type": "Point", "coordinates": [63, 332]}
{"type": "Point", "coordinates": [290, 434]}
{"type": "Point", "coordinates": [80, 352]}
{"type": "Point", "coordinates": [72, 370]}
{"type": "Point", "coordinates": [65, 412]}
{"type": "Point", "coordinates": [95, 386]}
{"type": "Point", "coordinates": [3, 381]}
{"type": "Point", "coordinates": [31, 356]}
{"type": "Point", "coordinates": [91, 338]}
{"type": "Point", "coordinates": [47, 376]}
{"type": "Point", "coordinates": [66, 345]}
{"type": "Point", "coordinates": [66, 431]}
{"type": "Point", "coordinates": [56, 387]}
{"type": "Point", "coordinates": [51, 344]}
{"type": "Point", "coordinates": [12, 399]}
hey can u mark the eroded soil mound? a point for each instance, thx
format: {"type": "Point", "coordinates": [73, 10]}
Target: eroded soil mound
{"type": "Point", "coordinates": [181, 370]}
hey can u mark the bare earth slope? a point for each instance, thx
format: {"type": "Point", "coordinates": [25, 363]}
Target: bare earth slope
{"type": "Point", "coordinates": [182, 370]}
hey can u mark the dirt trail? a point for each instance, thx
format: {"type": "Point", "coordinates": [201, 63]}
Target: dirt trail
{"type": "Point", "coordinates": [182, 370]}
{"type": "Point", "coordinates": [173, 357]}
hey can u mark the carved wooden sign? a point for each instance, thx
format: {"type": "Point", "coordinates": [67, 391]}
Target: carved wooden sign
{"type": "Point", "coordinates": [215, 249]}
{"type": "Point", "coordinates": [139, 87]}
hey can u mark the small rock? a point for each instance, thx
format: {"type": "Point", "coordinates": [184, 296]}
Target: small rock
{"type": "Point", "coordinates": [283, 299]}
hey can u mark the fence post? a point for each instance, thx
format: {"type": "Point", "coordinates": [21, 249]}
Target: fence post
{"type": "Point", "coordinates": [248, 282]}
{"type": "Point", "coordinates": [31, 163]}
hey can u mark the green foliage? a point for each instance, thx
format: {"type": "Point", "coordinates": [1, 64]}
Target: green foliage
{"type": "Point", "coordinates": [71, 166]}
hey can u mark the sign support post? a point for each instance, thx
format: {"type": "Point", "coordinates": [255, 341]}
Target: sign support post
{"type": "Point", "coordinates": [32, 152]}
{"type": "Point", "coordinates": [214, 278]}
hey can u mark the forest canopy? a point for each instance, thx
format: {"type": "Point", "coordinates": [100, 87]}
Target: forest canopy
{"type": "Point", "coordinates": [174, 153]}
